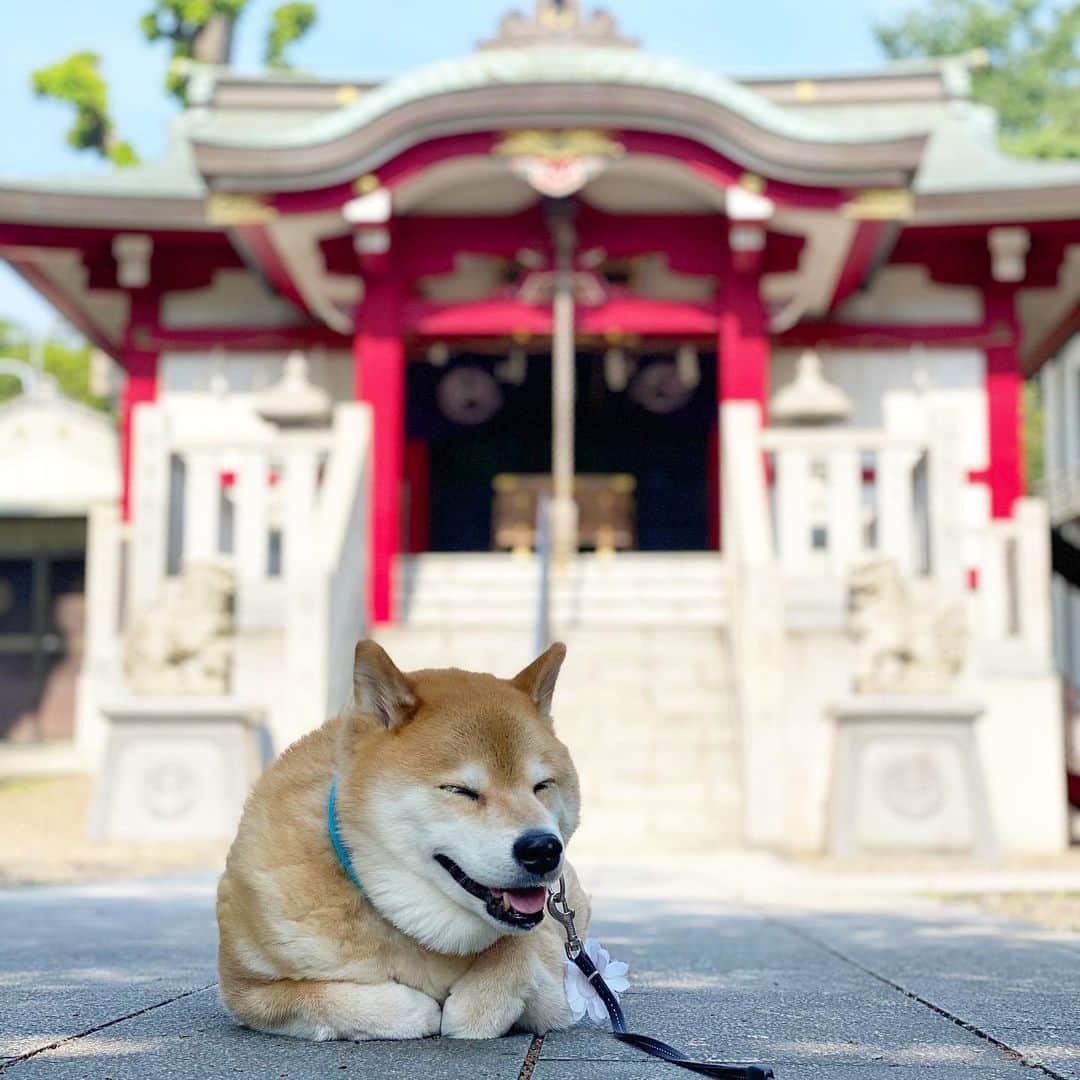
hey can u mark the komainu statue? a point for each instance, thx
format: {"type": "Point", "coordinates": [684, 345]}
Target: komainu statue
{"type": "Point", "coordinates": [183, 645]}
{"type": "Point", "coordinates": [909, 642]}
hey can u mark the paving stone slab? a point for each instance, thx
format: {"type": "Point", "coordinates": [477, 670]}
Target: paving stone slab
{"type": "Point", "coordinates": [73, 958]}
{"type": "Point", "coordinates": [547, 1069]}
{"type": "Point", "coordinates": [1018, 983]}
{"type": "Point", "coordinates": [194, 1037]}
{"type": "Point", "coordinates": [729, 985]}
{"type": "Point", "coordinates": [816, 994]}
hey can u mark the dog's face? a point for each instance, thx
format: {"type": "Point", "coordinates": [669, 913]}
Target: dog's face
{"type": "Point", "coordinates": [464, 798]}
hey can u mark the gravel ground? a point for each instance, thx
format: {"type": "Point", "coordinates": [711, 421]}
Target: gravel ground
{"type": "Point", "coordinates": [1057, 911]}
{"type": "Point", "coordinates": [43, 839]}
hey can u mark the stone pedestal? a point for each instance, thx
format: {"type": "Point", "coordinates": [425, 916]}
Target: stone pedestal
{"type": "Point", "coordinates": [176, 768]}
{"type": "Point", "coordinates": [906, 777]}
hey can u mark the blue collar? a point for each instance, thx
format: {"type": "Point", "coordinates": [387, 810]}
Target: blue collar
{"type": "Point", "coordinates": [340, 849]}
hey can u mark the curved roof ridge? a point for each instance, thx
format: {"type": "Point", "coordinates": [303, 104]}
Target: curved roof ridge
{"type": "Point", "coordinates": [555, 64]}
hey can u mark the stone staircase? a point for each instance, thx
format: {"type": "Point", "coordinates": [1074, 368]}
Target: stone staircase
{"type": "Point", "coordinates": [645, 699]}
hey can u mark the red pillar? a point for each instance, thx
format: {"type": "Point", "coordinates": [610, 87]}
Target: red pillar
{"type": "Point", "coordinates": [742, 354]}
{"type": "Point", "coordinates": [379, 359]}
{"type": "Point", "coordinates": [140, 385]}
{"type": "Point", "coordinates": [742, 362]}
{"type": "Point", "coordinates": [1004, 387]}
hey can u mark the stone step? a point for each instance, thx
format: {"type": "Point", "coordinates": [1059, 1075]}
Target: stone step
{"type": "Point", "coordinates": [648, 714]}
{"type": "Point", "coordinates": [503, 590]}
{"type": "Point", "coordinates": [446, 565]}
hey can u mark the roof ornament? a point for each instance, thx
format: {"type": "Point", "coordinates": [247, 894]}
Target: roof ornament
{"type": "Point", "coordinates": [558, 163]}
{"type": "Point", "coordinates": [558, 22]}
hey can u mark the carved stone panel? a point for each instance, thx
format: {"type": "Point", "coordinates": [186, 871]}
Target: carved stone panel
{"type": "Point", "coordinates": [907, 778]}
{"type": "Point", "coordinates": [175, 770]}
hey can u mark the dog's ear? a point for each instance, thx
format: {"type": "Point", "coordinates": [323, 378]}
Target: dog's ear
{"type": "Point", "coordinates": [538, 679]}
{"type": "Point", "coordinates": [379, 688]}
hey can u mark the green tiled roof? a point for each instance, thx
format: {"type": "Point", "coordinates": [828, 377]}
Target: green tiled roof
{"type": "Point", "coordinates": [554, 65]}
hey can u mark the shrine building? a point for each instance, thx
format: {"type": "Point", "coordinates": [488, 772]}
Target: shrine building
{"type": "Point", "coordinates": [739, 337]}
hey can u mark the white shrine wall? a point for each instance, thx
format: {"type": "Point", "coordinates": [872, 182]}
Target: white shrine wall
{"type": "Point", "coordinates": [192, 377]}
{"type": "Point", "coordinates": [906, 294]}
{"type": "Point", "coordinates": [233, 298]}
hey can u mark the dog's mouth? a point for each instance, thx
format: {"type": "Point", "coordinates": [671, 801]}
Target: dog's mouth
{"type": "Point", "coordinates": [520, 908]}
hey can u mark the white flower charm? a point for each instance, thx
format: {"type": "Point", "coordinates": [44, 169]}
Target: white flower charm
{"type": "Point", "coordinates": [580, 995]}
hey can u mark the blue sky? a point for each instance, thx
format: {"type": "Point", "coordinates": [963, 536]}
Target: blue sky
{"type": "Point", "coordinates": [372, 37]}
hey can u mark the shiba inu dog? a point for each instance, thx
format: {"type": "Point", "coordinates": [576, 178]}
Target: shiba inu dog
{"type": "Point", "coordinates": [451, 801]}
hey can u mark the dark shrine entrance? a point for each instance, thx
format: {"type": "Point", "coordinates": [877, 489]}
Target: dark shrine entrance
{"type": "Point", "coordinates": [651, 416]}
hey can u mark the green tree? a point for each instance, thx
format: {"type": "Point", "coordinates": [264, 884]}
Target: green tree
{"type": "Point", "coordinates": [199, 30]}
{"type": "Point", "coordinates": [288, 23]}
{"type": "Point", "coordinates": [1034, 465]}
{"type": "Point", "coordinates": [1032, 71]}
{"type": "Point", "coordinates": [77, 81]}
{"type": "Point", "coordinates": [67, 363]}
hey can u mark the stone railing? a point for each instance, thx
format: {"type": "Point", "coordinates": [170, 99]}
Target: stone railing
{"type": "Point", "coordinates": [1013, 596]}
{"type": "Point", "coordinates": [842, 494]}
{"type": "Point", "coordinates": [286, 510]}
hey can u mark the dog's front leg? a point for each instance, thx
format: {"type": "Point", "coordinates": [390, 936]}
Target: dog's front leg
{"type": "Point", "coordinates": [488, 999]}
{"type": "Point", "coordinates": [306, 1009]}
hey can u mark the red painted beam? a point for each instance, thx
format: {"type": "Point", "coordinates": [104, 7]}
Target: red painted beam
{"type": "Point", "coordinates": [723, 172]}
{"type": "Point", "coordinates": [256, 240]}
{"type": "Point", "coordinates": [239, 338]}
{"type": "Point", "coordinates": [865, 249]}
{"type": "Point", "coordinates": [633, 315]}
{"type": "Point", "coordinates": [720, 171]}
{"type": "Point", "coordinates": [895, 335]}
{"type": "Point", "coordinates": [485, 318]}
{"type": "Point", "coordinates": [505, 317]}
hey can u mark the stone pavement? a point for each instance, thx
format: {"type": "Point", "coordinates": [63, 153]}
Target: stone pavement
{"type": "Point", "coordinates": [732, 957]}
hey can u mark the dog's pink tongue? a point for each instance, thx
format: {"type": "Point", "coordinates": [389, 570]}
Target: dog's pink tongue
{"type": "Point", "coordinates": [527, 901]}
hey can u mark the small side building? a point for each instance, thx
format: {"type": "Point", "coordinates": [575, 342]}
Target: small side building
{"type": "Point", "coordinates": [58, 458]}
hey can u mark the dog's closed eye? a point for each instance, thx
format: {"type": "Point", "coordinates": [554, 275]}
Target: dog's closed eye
{"type": "Point", "coordinates": [459, 789]}
{"type": "Point", "coordinates": [543, 786]}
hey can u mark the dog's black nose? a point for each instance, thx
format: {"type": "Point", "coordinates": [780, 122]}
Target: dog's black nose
{"type": "Point", "coordinates": [539, 852]}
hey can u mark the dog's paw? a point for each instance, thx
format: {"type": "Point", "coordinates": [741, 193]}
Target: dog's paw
{"type": "Point", "coordinates": [476, 1014]}
{"type": "Point", "coordinates": [394, 1011]}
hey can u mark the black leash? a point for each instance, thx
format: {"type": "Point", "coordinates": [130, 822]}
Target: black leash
{"type": "Point", "coordinates": [559, 908]}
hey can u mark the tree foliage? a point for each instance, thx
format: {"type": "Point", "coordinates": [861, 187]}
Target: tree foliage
{"type": "Point", "coordinates": [183, 23]}
{"type": "Point", "coordinates": [1032, 74]}
{"type": "Point", "coordinates": [288, 23]}
{"type": "Point", "coordinates": [67, 363]}
{"type": "Point", "coordinates": [77, 81]}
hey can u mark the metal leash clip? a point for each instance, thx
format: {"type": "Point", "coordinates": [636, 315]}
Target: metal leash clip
{"type": "Point", "coordinates": [560, 910]}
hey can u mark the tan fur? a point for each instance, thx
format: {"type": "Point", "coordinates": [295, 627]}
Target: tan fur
{"type": "Point", "coordinates": [303, 952]}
